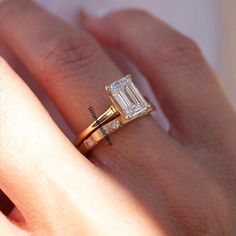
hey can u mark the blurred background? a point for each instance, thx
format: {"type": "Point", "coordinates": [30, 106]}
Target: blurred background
{"type": "Point", "coordinates": [211, 23]}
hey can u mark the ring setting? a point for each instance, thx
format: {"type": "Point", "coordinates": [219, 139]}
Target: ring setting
{"type": "Point", "coordinates": [128, 104]}
{"type": "Point", "coordinates": [126, 97]}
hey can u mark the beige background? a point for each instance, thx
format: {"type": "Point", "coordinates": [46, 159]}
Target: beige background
{"type": "Point", "coordinates": [211, 23]}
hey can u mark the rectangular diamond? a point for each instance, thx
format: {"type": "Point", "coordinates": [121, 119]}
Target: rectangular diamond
{"type": "Point", "coordinates": [127, 96]}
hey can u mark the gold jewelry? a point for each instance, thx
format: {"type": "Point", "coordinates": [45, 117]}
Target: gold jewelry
{"type": "Point", "coordinates": [110, 114]}
{"type": "Point", "coordinates": [101, 133]}
{"type": "Point", "coordinates": [128, 104]}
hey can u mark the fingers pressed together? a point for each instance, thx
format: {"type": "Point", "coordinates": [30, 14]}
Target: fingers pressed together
{"type": "Point", "coordinates": [48, 179]}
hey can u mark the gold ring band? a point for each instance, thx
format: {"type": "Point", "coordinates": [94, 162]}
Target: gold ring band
{"type": "Point", "coordinates": [128, 104]}
{"type": "Point", "coordinates": [101, 133]}
{"type": "Point", "coordinates": [110, 114]}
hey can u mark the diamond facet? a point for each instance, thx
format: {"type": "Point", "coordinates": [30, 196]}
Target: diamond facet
{"type": "Point", "coordinates": [127, 96]}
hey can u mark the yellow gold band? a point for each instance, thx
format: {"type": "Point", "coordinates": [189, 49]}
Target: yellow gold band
{"type": "Point", "coordinates": [128, 104]}
{"type": "Point", "coordinates": [110, 114]}
{"type": "Point", "coordinates": [101, 133]}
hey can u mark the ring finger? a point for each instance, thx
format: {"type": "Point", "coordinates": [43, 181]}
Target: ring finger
{"type": "Point", "coordinates": [72, 68]}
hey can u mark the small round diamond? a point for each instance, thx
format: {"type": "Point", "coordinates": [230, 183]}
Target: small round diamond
{"type": "Point", "coordinates": [105, 129]}
{"type": "Point", "coordinates": [89, 142]}
{"type": "Point", "coordinates": [115, 124]}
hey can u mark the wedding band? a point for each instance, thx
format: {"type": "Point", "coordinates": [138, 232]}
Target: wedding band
{"type": "Point", "coordinates": [110, 114]}
{"type": "Point", "coordinates": [128, 104]}
{"type": "Point", "coordinates": [101, 133]}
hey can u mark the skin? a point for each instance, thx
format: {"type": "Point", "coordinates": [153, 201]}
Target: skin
{"type": "Point", "coordinates": [149, 182]}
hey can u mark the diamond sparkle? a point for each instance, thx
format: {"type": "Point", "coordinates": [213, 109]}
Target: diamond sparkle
{"type": "Point", "coordinates": [115, 124]}
{"type": "Point", "coordinates": [89, 142]}
{"type": "Point", "coordinates": [128, 98]}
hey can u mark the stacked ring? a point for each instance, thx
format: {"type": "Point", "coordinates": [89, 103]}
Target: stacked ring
{"type": "Point", "coordinates": [128, 104]}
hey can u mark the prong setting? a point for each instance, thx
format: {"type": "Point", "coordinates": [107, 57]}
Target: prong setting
{"type": "Point", "coordinates": [127, 98]}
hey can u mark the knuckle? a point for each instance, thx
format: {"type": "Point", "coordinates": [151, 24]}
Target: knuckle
{"type": "Point", "coordinates": [67, 55]}
{"type": "Point", "coordinates": [173, 46]}
{"type": "Point", "coordinates": [188, 47]}
{"type": "Point", "coordinates": [180, 50]}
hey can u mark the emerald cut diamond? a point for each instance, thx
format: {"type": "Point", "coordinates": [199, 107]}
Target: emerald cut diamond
{"type": "Point", "coordinates": [128, 98]}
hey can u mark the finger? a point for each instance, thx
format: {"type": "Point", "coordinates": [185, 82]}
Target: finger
{"type": "Point", "coordinates": [184, 83]}
{"type": "Point", "coordinates": [67, 62]}
{"type": "Point", "coordinates": [34, 153]}
{"type": "Point", "coordinates": [7, 228]}
{"type": "Point", "coordinates": [72, 68]}
{"type": "Point", "coordinates": [40, 169]}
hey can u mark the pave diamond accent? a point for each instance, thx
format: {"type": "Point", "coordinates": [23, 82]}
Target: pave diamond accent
{"type": "Point", "coordinates": [89, 142]}
{"type": "Point", "coordinates": [105, 129]}
{"type": "Point", "coordinates": [127, 96]}
{"type": "Point", "coordinates": [111, 127]}
{"type": "Point", "coordinates": [115, 124]}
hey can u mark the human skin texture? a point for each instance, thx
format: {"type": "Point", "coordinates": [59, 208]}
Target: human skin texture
{"type": "Point", "coordinates": [148, 182]}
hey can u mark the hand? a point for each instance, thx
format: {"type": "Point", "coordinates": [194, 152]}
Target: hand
{"type": "Point", "coordinates": [149, 182]}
